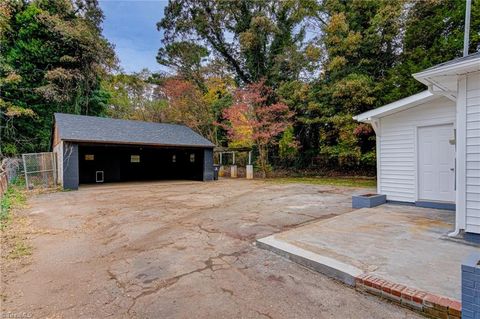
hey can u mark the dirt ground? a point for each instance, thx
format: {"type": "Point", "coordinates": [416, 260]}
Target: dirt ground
{"type": "Point", "coordinates": [177, 250]}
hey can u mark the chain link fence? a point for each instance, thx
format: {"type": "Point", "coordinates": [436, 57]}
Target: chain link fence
{"type": "Point", "coordinates": [40, 170]}
{"type": "Point", "coordinates": [10, 169]}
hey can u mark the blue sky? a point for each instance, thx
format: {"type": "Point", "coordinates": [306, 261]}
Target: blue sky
{"type": "Point", "coordinates": [131, 26]}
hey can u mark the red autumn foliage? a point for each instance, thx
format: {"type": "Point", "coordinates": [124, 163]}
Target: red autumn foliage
{"type": "Point", "coordinates": [253, 119]}
{"type": "Point", "coordinates": [186, 105]}
{"type": "Point", "coordinates": [363, 130]}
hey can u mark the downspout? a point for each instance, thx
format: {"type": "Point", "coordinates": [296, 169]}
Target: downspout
{"type": "Point", "coordinates": [460, 158]}
{"type": "Point", "coordinates": [460, 201]}
{"type": "Point", "coordinates": [375, 123]}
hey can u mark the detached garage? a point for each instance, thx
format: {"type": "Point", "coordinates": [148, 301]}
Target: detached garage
{"type": "Point", "coordinates": [103, 150]}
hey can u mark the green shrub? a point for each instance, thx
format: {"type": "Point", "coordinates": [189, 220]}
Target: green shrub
{"type": "Point", "coordinates": [288, 146]}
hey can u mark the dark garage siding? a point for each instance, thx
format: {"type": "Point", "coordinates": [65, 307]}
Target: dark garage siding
{"type": "Point", "coordinates": [155, 163]}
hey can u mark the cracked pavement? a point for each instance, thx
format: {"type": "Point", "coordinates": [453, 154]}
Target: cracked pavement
{"type": "Point", "coordinates": [179, 250]}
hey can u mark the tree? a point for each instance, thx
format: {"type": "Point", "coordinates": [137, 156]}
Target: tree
{"type": "Point", "coordinates": [327, 60]}
{"type": "Point", "coordinates": [257, 39]}
{"type": "Point", "coordinates": [137, 96]}
{"type": "Point", "coordinates": [256, 119]}
{"type": "Point", "coordinates": [362, 42]}
{"type": "Point", "coordinates": [159, 98]}
{"type": "Point", "coordinates": [288, 146]}
{"type": "Point", "coordinates": [55, 50]}
{"type": "Point", "coordinates": [186, 105]}
{"type": "Point", "coordinates": [186, 59]}
{"type": "Point", "coordinates": [433, 34]}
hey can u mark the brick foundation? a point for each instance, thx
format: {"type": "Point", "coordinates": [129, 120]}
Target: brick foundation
{"type": "Point", "coordinates": [428, 304]}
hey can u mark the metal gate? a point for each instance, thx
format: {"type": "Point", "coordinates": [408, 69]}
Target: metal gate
{"type": "Point", "coordinates": [40, 170]}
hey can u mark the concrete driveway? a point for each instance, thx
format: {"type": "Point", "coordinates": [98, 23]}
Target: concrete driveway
{"type": "Point", "coordinates": [403, 244]}
{"type": "Point", "coordinates": [181, 250]}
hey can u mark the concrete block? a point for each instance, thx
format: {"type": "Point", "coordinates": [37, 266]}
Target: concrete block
{"type": "Point", "coordinates": [470, 284]}
{"type": "Point", "coordinates": [369, 200]}
{"type": "Point", "coordinates": [249, 171]}
{"type": "Point", "coordinates": [468, 291]}
{"type": "Point", "coordinates": [471, 276]}
{"type": "Point", "coordinates": [233, 171]}
{"type": "Point", "coordinates": [467, 268]}
{"type": "Point", "coordinates": [467, 313]}
{"type": "Point", "coordinates": [467, 299]}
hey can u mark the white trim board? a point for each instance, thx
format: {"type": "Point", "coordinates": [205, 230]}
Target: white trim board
{"type": "Point", "coordinates": [397, 106]}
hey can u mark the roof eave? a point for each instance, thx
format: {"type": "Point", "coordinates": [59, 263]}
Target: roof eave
{"type": "Point", "coordinates": [452, 69]}
{"type": "Point", "coordinates": [395, 107]}
{"type": "Point", "coordinates": [72, 140]}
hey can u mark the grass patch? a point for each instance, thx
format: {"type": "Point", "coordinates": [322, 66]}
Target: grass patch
{"type": "Point", "coordinates": [331, 181]}
{"type": "Point", "coordinates": [20, 249]}
{"type": "Point", "coordinates": [15, 229]}
{"type": "Point", "coordinates": [14, 198]}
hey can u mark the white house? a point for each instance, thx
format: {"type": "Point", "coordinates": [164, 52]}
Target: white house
{"type": "Point", "coordinates": [428, 144]}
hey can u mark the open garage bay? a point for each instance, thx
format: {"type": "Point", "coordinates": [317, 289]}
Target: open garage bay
{"type": "Point", "coordinates": [136, 163]}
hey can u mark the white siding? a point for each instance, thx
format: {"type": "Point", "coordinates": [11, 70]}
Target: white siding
{"type": "Point", "coordinates": [473, 154]}
{"type": "Point", "coordinates": [398, 156]}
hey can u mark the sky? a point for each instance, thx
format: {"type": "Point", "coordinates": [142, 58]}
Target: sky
{"type": "Point", "coordinates": [131, 26]}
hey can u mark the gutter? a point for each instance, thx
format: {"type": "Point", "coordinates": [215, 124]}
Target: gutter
{"type": "Point", "coordinates": [455, 68]}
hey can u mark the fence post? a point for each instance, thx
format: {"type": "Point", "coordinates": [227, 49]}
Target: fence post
{"type": "Point", "coordinates": [25, 171]}
{"type": "Point", "coordinates": [3, 183]}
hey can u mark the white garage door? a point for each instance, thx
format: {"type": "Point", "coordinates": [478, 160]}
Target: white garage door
{"type": "Point", "coordinates": [436, 162]}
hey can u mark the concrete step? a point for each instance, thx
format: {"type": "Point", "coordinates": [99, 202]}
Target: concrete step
{"type": "Point", "coordinates": [325, 265]}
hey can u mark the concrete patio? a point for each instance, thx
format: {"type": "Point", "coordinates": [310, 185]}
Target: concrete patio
{"type": "Point", "coordinates": [403, 244]}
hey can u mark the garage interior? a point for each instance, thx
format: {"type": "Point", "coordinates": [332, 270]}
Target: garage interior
{"type": "Point", "coordinates": [122, 163]}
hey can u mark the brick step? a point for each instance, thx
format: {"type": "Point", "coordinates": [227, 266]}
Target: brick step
{"type": "Point", "coordinates": [428, 304]}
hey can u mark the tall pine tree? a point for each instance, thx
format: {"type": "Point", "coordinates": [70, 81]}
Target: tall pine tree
{"type": "Point", "coordinates": [53, 55]}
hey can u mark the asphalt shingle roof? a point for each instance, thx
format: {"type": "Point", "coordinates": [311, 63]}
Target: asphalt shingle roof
{"type": "Point", "coordinates": [472, 56]}
{"type": "Point", "coordinates": [81, 128]}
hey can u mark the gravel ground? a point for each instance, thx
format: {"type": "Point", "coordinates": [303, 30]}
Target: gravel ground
{"type": "Point", "coordinates": [177, 250]}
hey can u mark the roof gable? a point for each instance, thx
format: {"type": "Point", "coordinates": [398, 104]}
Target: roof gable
{"type": "Point", "coordinates": [81, 128]}
{"type": "Point", "coordinates": [397, 106]}
{"type": "Point", "coordinates": [455, 65]}
{"type": "Point", "coordinates": [443, 78]}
